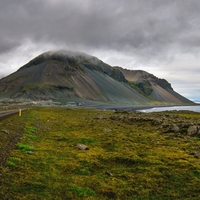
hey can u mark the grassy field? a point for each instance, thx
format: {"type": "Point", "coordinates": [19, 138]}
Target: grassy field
{"type": "Point", "coordinates": [129, 156]}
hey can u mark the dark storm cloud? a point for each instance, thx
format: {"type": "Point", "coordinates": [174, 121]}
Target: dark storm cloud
{"type": "Point", "coordinates": [139, 31]}
{"type": "Point", "coordinates": [7, 45]}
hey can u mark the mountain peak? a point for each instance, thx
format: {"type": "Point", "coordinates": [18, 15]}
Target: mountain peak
{"type": "Point", "coordinates": [63, 56]}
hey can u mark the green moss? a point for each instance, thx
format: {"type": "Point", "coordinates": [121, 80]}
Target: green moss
{"type": "Point", "coordinates": [133, 160]}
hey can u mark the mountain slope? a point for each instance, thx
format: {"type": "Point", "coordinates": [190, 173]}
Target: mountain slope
{"type": "Point", "coordinates": [152, 87]}
{"type": "Point", "coordinates": [64, 75]}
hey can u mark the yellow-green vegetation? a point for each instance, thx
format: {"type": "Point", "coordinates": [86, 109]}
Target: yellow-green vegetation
{"type": "Point", "coordinates": [129, 157]}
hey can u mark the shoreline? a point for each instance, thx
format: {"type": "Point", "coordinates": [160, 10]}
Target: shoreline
{"type": "Point", "coordinates": [129, 108]}
{"type": "Point", "coordinates": [87, 104]}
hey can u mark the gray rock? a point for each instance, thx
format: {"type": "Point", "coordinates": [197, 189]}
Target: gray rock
{"type": "Point", "coordinates": [30, 152]}
{"type": "Point", "coordinates": [82, 147]}
{"type": "Point", "coordinates": [5, 131]}
{"type": "Point", "coordinates": [193, 130]}
{"type": "Point", "coordinates": [109, 173]}
{"type": "Point", "coordinates": [106, 130]}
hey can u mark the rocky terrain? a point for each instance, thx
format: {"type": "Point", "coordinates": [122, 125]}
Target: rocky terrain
{"type": "Point", "coordinates": [167, 122]}
{"type": "Point", "coordinates": [150, 86]}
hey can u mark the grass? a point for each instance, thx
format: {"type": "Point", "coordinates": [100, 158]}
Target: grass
{"type": "Point", "coordinates": [10, 164]}
{"type": "Point", "coordinates": [14, 159]}
{"type": "Point", "coordinates": [126, 159]}
{"type": "Point", "coordinates": [24, 147]}
{"type": "Point", "coordinates": [82, 191]}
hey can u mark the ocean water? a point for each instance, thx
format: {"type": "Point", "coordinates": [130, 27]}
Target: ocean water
{"type": "Point", "coordinates": [178, 108]}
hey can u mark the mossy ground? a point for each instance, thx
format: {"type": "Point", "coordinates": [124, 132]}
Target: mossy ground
{"type": "Point", "coordinates": [125, 160]}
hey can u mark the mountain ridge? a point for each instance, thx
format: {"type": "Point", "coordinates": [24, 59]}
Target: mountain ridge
{"type": "Point", "coordinates": [152, 87]}
{"type": "Point", "coordinates": [61, 75]}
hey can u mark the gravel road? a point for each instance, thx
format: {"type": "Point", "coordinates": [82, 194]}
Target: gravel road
{"type": "Point", "coordinates": [7, 113]}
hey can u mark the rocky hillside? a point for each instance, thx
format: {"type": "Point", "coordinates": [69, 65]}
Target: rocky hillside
{"type": "Point", "coordinates": [150, 86]}
{"type": "Point", "coordinates": [64, 75]}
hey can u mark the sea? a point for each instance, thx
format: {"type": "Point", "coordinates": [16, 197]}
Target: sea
{"type": "Point", "coordinates": [171, 108]}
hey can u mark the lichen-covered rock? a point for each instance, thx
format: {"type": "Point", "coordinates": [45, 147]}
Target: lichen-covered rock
{"type": "Point", "coordinates": [173, 128]}
{"type": "Point", "coordinates": [157, 121]}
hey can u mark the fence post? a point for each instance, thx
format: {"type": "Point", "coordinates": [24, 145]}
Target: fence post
{"type": "Point", "coordinates": [20, 112]}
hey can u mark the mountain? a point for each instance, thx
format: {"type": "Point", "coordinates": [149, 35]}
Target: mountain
{"type": "Point", "coordinates": [69, 75]}
{"type": "Point", "coordinates": [153, 88]}
{"type": "Point", "coordinates": [65, 75]}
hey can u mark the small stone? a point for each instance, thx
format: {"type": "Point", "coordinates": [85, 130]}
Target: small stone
{"type": "Point", "coordinates": [5, 131]}
{"type": "Point", "coordinates": [30, 152]}
{"type": "Point", "coordinates": [106, 130]}
{"type": "Point", "coordinates": [109, 173]}
{"type": "Point", "coordinates": [82, 147]}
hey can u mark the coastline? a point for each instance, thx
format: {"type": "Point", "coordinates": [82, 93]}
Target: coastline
{"type": "Point", "coordinates": [89, 104]}
{"type": "Point", "coordinates": [129, 108]}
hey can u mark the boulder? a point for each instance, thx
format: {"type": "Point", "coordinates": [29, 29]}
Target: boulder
{"type": "Point", "coordinates": [193, 130]}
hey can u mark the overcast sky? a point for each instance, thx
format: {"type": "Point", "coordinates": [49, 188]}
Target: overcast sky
{"type": "Point", "coordinates": [161, 37]}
